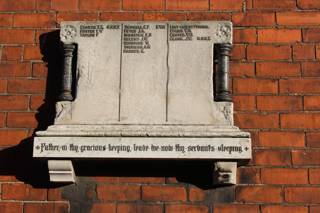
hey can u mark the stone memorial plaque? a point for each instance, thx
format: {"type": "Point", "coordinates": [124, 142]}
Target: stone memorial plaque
{"type": "Point", "coordinates": [145, 90]}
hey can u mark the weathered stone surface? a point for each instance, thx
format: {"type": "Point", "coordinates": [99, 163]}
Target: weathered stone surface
{"type": "Point", "coordinates": [145, 72]}
{"type": "Point", "coordinates": [97, 77]}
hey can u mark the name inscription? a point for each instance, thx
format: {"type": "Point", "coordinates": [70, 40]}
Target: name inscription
{"type": "Point", "coordinates": [136, 37]}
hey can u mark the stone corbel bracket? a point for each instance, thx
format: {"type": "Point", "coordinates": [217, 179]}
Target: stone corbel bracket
{"type": "Point", "coordinates": [61, 171]}
{"type": "Point", "coordinates": [225, 173]}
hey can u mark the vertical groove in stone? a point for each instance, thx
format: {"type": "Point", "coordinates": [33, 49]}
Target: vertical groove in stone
{"type": "Point", "coordinates": [168, 72]}
{"type": "Point", "coordinates": [121, 42]}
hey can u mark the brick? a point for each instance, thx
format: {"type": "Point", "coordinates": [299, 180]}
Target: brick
{"type": "Point", "coordinates": [64, 5]}
{"type": "Point", "coordinates": [311, 35]}
{"type": "Point", "coordinates": [32, 53]}
{"type": "Point", "coordinates": [143, 5]}
{"type": "Point", "coordinates": [274, 4]}
{"type": "Point", "coordinates": [9, 5]}
{"type": "Point", "coordinates": [241, 69]}
{"type": "Point", "coordinates": [277, 69]}
{"type": "Point", "coordinates": [3, 86]}
{"type": "Point", "coordinates": [244, 36]}
{"type": "Point", "coordinates": [34, 20]}
{"type": "Point", "coordinates": [306, 157]}
{"type": "Point", "coordinates": [187, 5]}
{"type": "Point", "coordinates": [171, 180]}
{"type": "Point", "coordinates": [8, 178]}
{"type": "Point", "coordinates": [300, 86]}
{"type": "Point", "coordinates": [36, 101]}
{"type": "Point", "coordinates": [99, 5]}
{"type": "Point", "coordinates": [106, 179]}
{"type": "Point", "coordinates": [257, 121]}
{"type": "Point", "coordinates": [15, 70]}
{"type": "Point", "coordinates": [284, 176]}
{"type": "Point", "coordinates": [238, 52]}
{"type": "Point", "coordinates": [19, 191]}
{"type": "Point", "coordinates": [300, 121]}
{"type": "Point", "coordinates": [284, 209]}
{"type": "Point", "coordinates": [318, 51]}
{"type": "Point", "coordinates": [121, 16]}
{"type": "Point", "coordinates": [103, 208]}
{"type": "Point", "coordinates": [187, 208]}
{"type": "Point", "coordinates": [259, 194]}
{"type": "Point", "coordinates": [308, 4]}
{"type": "Point", "coordinates": [236, 208]}
{"type": "Point", "coordinates": [226, 5]}
{"type": "Point", "coordinates": [196, 194]}
{"type": "Point", "coordinates": [254, 137]}
{"type": "Point", "coordinates": [244, 102]}
{"type": "Point", "coordinates": [298, 18]}
{"type": "Point", "coordinates": [282, 139]}
{"type": "Point", "coordinates": [46, 207]}
{"type": "Point", "coordinates": [16, 36]}
{"type": "Point", "coordinates": [268, 52]}
{"type": "Point", "coordinates": [69, 16]}
{"type": "Point", "coordinates": [6, 20]}
{"type": "Point", "coordinates": [311, 69]}
{"type": "Point", "coordinates": [279, 35]}
{"type": "Point", "coordinates": [272, 157]}
{"type": "Point", "coordinates": [248, 175]}
{"type": "Point", "coordinates": [164, 193]}
{"type": "Point", "coordinates": [43, 5]}
{"type": "Point", "coordinates": [162, 16]}
{"type": "Point", "coordinates": [311, 102]}
{"type": "Point", "coordinates": [2, 119]}
{"type": "Point", "coordinates": [141, 180]}
{"type": "Point", "coordinates": [10, 53]}
{"type": "Point", "coordinates": [302, 195]}
{"type": "Point", "coordinates": [11, 207]}
{"type": "Point", "coordinates": [39, 70]}
{"type": "Point", "coordinates": [301, 52]}
{"type": "Point", "coordinates": [118, 192]}
{"type": "Point", "coordinates": [55, 194]}
{"type": "Point", "coordinates": [256, 86]}
{"type": "Point", "coordinates": [249, 4]}
{"type": "Point", "coordinates": [313, 139]}
{"type": "Point", "coordinates": [13, 102]}
{"type": "Point", "coordinates": [26, 86]}
{"type": "Point", "coordinates": [314, 176]}
{"type": "Point", "coordinates": [314, 209]}
{"type": "Point", "coordinates": [206, 16]}
{"type": "Point", "coordinates": [251, 19]}
{"type": "Point", "coordinates": [21, 119]}
{"type": "Point", "coordinates": [12, 137]}
{"type": "Point", "coordinates": [138, 208]}
{"type": "Point", "coordinates": [279, 103]}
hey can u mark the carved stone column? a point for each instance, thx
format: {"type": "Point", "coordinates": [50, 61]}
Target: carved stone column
{"type": "Point", "coordinates": [66, 90]}
{"type": "Point", "coordinates": [222, 92]}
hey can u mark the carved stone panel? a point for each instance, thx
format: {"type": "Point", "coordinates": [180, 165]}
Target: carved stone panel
{"type": "Point", "coordinates": [147, 90]}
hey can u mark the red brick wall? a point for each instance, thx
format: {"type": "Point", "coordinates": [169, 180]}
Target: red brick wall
{"type": "Point", "coordinates": [276, 86]}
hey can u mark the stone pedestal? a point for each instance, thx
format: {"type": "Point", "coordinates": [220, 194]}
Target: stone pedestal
{"type": "Point", "coordinates": [146, 90]}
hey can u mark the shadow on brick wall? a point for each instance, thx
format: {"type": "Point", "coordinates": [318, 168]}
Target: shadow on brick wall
{"type": "Point", "coordinates": [18, 160]}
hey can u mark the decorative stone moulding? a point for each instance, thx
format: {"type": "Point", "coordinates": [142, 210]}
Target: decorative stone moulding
{"type": "Point", "coordinates": [145, 90]}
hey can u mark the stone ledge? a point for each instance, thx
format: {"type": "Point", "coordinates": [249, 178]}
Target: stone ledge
{"type": "Point", "coordinates": [119, 130]}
